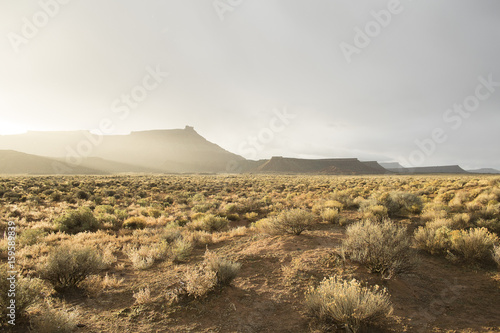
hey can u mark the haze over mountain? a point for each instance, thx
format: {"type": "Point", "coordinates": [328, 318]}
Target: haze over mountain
{"type": "Point", "coordinates": [13, 162]}
{"type": "Point", "coordinates": [148, 151]}
{"type": "Point", "coordinates": [167, 151]}
{"type": "Point", "coordinates": [226, 68]}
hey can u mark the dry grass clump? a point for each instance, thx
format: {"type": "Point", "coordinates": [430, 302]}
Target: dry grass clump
{"type": "Point", "coordinates": [51, 320]}
{"type": "Point", "coordinates": [294, 221]}
{"type": "Point", "coordinates": [215, 271]}
{"type": "Point", "coordinates": [69, 265]}
{"type": "Point", "coordinates": [95, 285]}
{"type": "Point", "coordinates": [348, 304]}
{"type": "Point", "coordinates": [225, 270]}
{"type": "Point", "coordinates": [209, 223]}
{"type": "Point", "coordinates": [145, 256]}
{"type": "Point", "coordinates": [143, 296]}
{"type": "Point", "coordinates": [382, 247]}
{"type": "Point", "coordinates": [199, 238]}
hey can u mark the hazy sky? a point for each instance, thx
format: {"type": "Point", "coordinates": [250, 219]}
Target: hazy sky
{"type": "Point", "coordinates": [359, 78]}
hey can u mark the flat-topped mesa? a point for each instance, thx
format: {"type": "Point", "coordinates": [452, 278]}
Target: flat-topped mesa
{"type": "Point", "coordinates": [450, 169]}
{"type": "Point", "coordinates": [331, 166]}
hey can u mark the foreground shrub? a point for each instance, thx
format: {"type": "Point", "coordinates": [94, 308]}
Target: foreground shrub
{"type": "Point", "coordinates": [433, 240]}
{"type": "Point", "coordinates": [225, 270]}
{"type": "Point", "coordinates": [348, 304]}
{"type": "Point", "coordinates": [180, 250]}
{"type": "Point", "coordinates": [215, 271]}
{"type": "Point", "coordinates": [68, 265]}
{"type": "Point", "coordinates": [382, 247]}
{"type": "Point", "coordinates": [27, 293]}
{"type": "Point", "coordinates": [293, 221]}
{"type": "Point", "coordinates": [76, 221]}
{"type": "Point", "coordinates": [473, 245]}
{"type": "Point", "coordinates": [198, 282]}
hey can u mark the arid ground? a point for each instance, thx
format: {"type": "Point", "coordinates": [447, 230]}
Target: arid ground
{"type": "Point", "coordinates": [149, 240]}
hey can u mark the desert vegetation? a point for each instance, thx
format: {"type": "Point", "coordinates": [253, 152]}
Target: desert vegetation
{"type": "Point", "coordinates": [252, 253]}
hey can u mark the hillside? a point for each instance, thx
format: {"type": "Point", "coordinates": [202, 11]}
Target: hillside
{"type": "Point", "coordinates": [13, 162]}
{"type": "Point", "coordinates": [176, 151]}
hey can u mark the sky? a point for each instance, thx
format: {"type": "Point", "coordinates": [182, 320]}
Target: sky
{"type": "Point", "coordinates": [416, 82]}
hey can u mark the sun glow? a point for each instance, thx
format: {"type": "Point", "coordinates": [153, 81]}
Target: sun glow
{"type": "Point", "coordinates": [8, 128]}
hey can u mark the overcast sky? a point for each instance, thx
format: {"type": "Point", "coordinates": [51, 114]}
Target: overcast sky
{"type": "Point", "coordinates": [350, 80]}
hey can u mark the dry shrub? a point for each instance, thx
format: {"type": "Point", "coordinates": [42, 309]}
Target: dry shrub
{"type": "Point", "coordinates": [401, 203]}
{"type": "Point", "coordinates": [330, 215]}
{"type": "Point", "coordinates": [180, 250]}
{"type": "Point", "coordinates": [433, 239]}
{"type": "Point", "coordinates": [199, 238]}
{"type": "Point", "coordinates": [348, 304]}
{"type": "Point", "coordinates": [330, 204]}
{"type": "Point", "coordinates": [492, 225]}
{"type": "Point", "coordinates": [55, 321]}
{"type": "Point", "coordinates": [293, 221]}
{"type": "Point", "coordinates": [433, 211]}
{"type": "Point", "coordinates": [68, 265]}
{"type": "Point", "coordinates": [382, 247]}
{"type": "Point", "coordinates": [198, 282]}
{"type": "Point", "coordinates": [76, 221]}
{"type": "Point", "coordinates": [134, 223]}
{"type": "Point", "coordinates": [209, 223]}
{"type": "Point", "coordinates": [95, 285]}
{"type": "Point", "coordinates": [143, 296]}
{"type": "Point", "coordinates": [31, 236]}
{"type": "Point", "coordinates": [145, 256]}
{"type": "Point", "coordinates": [225, 270]}
{"type": "Point", "coordinates": [461, 221]}
{"type": "Point", "coordinates": [375, 213]}
{"type": "Point", "coordinates": [240, 231]}
{"type": "Point", "coordinates": [215, 271]}
{"type": "Point", "coordinates": [27, 293]}
{"type": "Point", "coordinates": [496, 254]}
{"type": "Point", "coordinates": [473, 245]}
